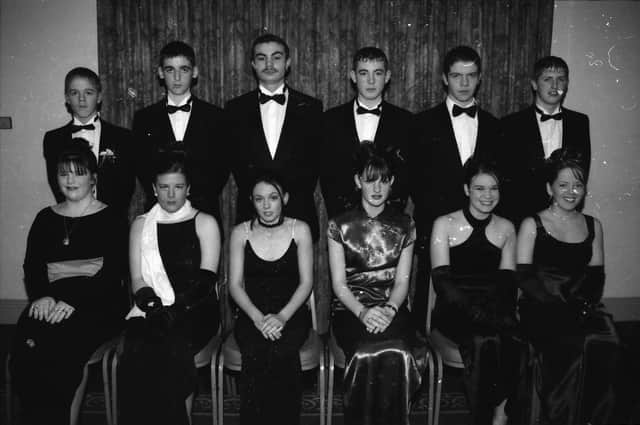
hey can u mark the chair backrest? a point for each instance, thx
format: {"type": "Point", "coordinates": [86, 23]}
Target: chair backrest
{"type": "Point", "coordinates": [311, 301]}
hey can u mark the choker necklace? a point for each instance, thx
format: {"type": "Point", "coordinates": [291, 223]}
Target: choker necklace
{"type": "Point", "coordinates": [271, 226]}
{"type": "Point", "coordinates": [67, 231]}
{"type": "Point", "coordinates": [476, 223]}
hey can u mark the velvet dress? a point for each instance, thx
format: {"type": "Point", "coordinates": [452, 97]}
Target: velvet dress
{"type": "Point", "coordinates": [157, 372]}
{"type": "Point", "coordinates": [86, 272]}
{"type": "Point", "coordinates": [575, 343]}
{"type": "Point", "coordinates": [383, 371]}
{"type": "Point", "coordinates": [475, 308]}
{"type": "Point", "coordinates": [271, 375]}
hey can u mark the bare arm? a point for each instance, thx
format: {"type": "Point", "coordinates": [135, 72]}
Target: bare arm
{"type": "Point", "coordinates": [508, 252]}
{"type": "Point", "coordinates": [597, 257]}
{"type": "Point", "coordinates": [305, 270]}
{"type": "Point", "coordinates": [135, 256]}
{"type": "Point", "coordinates": [339, 278]}
{"type": "Point", "coordinates": [403, 273]}
{"type": "Point", "coordinates": [440, 242]}
{"type": "Point", "coordinates": [236, 275]}
{"type": "Point", "coordinates": [209, 237]}
{"type": "Point", "coordinates": [526, 241]}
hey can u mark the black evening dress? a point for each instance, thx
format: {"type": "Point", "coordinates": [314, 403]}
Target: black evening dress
{"type": "Point", "coordinates": [48, 359]}
{"type": "Point", "coordinates": [576, 346]}
{"type": "Point", "coordinates": [270, 380]}
{"type": "Point", "coordinates": [157, 372]}
{"type": "Point", "coordinates": [475, 308]}
{"type": "Point", "coordinates": [383, 371]}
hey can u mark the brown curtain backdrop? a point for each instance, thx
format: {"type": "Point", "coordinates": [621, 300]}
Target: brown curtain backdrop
{"type": "Point", "coordinates": [322, 35]}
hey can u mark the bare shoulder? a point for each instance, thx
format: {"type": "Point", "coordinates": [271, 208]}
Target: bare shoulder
{"type": "Point", "coordinates": [504, 226]}
{"type": "Point", "coordinates": [446, 221]}
{"type": "Point", "coordinates": [239, 232]}
{"type": "Point", "coordinates": [528, 226]}
{"type": "Point", "coordinates": [301, 230]}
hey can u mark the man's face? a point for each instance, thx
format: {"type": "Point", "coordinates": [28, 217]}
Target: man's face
{"type": "Point", "coordinates": [462, 80]}
{"type": "Point", "coordinates": [178, 74]}
{"type": "Point", "coordinates": [270, 63]}
{"type": "Point", "coordinates": [551, 87]}
{"type": "Point", "coordinates": [370, 78]}
{"type": "Point", "coordinates": [83, 98]}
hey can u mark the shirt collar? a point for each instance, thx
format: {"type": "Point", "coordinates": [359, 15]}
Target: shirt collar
{"type": "Point", "coordinates": [279, 90]}
{"type": "Point", "coordinates": [93, 120]}
{"type": "Point", "coordinates": [357, 103]}
{"type": "Point", "coordinates": [187, 98]}
{"type": "Point", "coordinates": [555, 111]}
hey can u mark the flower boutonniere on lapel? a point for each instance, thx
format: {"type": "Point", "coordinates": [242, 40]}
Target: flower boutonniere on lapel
{"type": "Point", "coordinates": [107, 156]}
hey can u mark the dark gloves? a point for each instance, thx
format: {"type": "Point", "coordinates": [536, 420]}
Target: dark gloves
{"type": "Point", "coordinates": [584, 296]}
{"type": "Point", "coordinates": [201, 286]}
{"type": "Point", "coordinates": [531, 285]}
{"type": "Point", "coordinates": [161, 321]}
{"type": "Point", "coordinates": [147, 300]}
{"type": "Point", "coordinates": [445, 287]}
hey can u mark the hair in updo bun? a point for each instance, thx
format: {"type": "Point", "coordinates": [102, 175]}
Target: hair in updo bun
{"type": "Point", "coordinates": [373, 163]}
{"type": "Point", "coordinates": [565, 158]}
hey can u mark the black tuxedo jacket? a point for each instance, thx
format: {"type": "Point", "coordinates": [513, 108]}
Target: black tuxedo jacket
{"type": "Point", "coordinates": [296, 159]}
{"type": "Point", "coordinates": [116, 179]}
{"type": "Point", "coordinates": [437, 177]}
{"type": "Point", "coordinates": [341, 144]}
{"type": "Point", "coordinates": [203, 144]}
{"type": "Point", "coordinates": [522, 160]}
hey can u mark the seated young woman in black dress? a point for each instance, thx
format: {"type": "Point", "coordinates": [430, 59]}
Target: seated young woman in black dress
{"type": "Point", "coordinates": [174, 251]}
{"type": "Point", "coordinates": [473, 258]}
{"type": "Point", "coordinates": [370, 253]}
{"type": "Point", "coordinates": [561, 273]}
{"type": "Point", "coordinates": [73, 271]}
{"type": "Point", "coordinates": [270, 278]}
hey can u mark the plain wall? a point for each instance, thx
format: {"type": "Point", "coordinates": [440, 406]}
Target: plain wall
{"type": "Point", "coordinates": [599, 40]}
{"type": "Point", "coordinates": [40, 41]}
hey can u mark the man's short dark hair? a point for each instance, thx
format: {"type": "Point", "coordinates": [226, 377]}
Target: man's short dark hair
{"type": "Point", "coordinates": [81, 72]}
{"type": "Point", "coordinates": [270, 38]}
{"type": "Point", "coordinates": [549, 62]}
{"type": "Point", "coordinates": [461, 54]}
{"type": "Point", "coordinates": [370, 53]}
{"type": "Point", "coordinates": [177, 48]}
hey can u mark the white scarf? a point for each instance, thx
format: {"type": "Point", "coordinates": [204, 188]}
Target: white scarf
{"type": "Point", "coordinates": [153, 272]}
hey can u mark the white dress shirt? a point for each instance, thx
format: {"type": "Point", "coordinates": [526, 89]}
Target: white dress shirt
{"type": "Point", "coordinates": [91, 136]}
{"type": "Point", "coordinates": [465, 130]}
{"type": "Point", "coordinates": [366, 124]}
{"type": "Point", "coordinates": [179, 119]}
{"type": "Point", "coordinates": [550, 132]}
{"type": "Point", "coordinates": [272, 114]}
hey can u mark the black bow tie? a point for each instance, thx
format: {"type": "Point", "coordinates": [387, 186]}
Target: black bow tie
{"type": "Point", "coordinates": [375, 111]}
{"type": "Point", "coordinates": [171, 109]}
{"type": "Point", "coordinates": [75, 128]}
{"type": "Point", "coordinates": [470, 110]}
{"type": "Point", "coordinates": [544, 117]}
{"type": "Point", "coordinates": [264, 98]}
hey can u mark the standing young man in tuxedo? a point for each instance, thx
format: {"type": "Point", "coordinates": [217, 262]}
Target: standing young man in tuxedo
{"type": "Point", "coordinates": [109, 143]}
{"type": "Point", "coordinates": [181, 121]}
{"type": "Point", "coordinates": [367, 118]}
{"type": "Point", "coordinates": [274, 129]}
{"type": "Point", "coordinates": [447, 136]}
{"type": "Point", "coordinates": [532, 134]}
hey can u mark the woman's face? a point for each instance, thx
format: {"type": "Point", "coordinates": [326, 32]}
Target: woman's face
{"type": "Point", "coordinates": [483, 192]}
{"type": "Point", "coordinates": [268, 202]}
{"type": "Point", "coordinates": [171, 190]}
{"type": "Point", "coordinates": [567, 191]}
{"type": "Point", "coordinates": [75, 184]}
{"type": "Point", "coordinates": [374, 192]}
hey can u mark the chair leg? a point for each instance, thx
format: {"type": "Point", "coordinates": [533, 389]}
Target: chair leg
{"type": "Point", "coordinates": [114, 389]}
{"type": "Point", "coordinates": [106, 386]}
{"type": "Point", "coordinates": [79, 395]}
{"type": "Point", "coordinates": [220, 365]}
{"type": "Point", "coordinates": [321, 387]}
{"type": "Point", "coordinates": [430, 365]}
{"type": "Point", "coordinates": [436, 413]}
{"type": "Point", "coordinates": [330, 389]}
{"type": "Point", "coordinates": [214, 390]}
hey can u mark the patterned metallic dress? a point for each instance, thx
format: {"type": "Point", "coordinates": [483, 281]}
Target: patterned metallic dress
{"type": "Point", "coordinates": [383, 371]}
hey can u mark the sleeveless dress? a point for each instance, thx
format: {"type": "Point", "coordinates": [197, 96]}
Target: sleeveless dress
{"type": "Point", "coordinates": [490, 352]}
{"type": "Point", "coordinates": [384, 370]}
{"type": "Point", "coordinates": [156, 371]}
{"type": "Point", "coordinates": [47, 360]}
{"type": "Point", "coordinates": [271, 376]}
{"type": "Point", "coordinates": [575, 356]}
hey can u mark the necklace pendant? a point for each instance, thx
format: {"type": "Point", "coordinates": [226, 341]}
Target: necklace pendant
{"type": "Point", "coordinates": [65, 241]}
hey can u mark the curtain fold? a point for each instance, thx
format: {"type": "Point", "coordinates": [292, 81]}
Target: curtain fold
{"type": "Point", "coordinates": [323, 36]}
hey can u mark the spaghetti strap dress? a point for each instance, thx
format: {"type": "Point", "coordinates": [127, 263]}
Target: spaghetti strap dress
{"type": "Point", "coordinates": [575, 355]}
{"type": "Point", "coordinates": [271, 376]}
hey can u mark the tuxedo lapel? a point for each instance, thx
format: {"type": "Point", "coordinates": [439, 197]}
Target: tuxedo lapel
{"type": "Point", "coordinates": [531, 127]}
{"type": "Point", "coordinates": [381, 138]}
{"type": "Point", "coordinates": [448, 144]}
{"type": "Point", "coordinates": [258, 146]}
